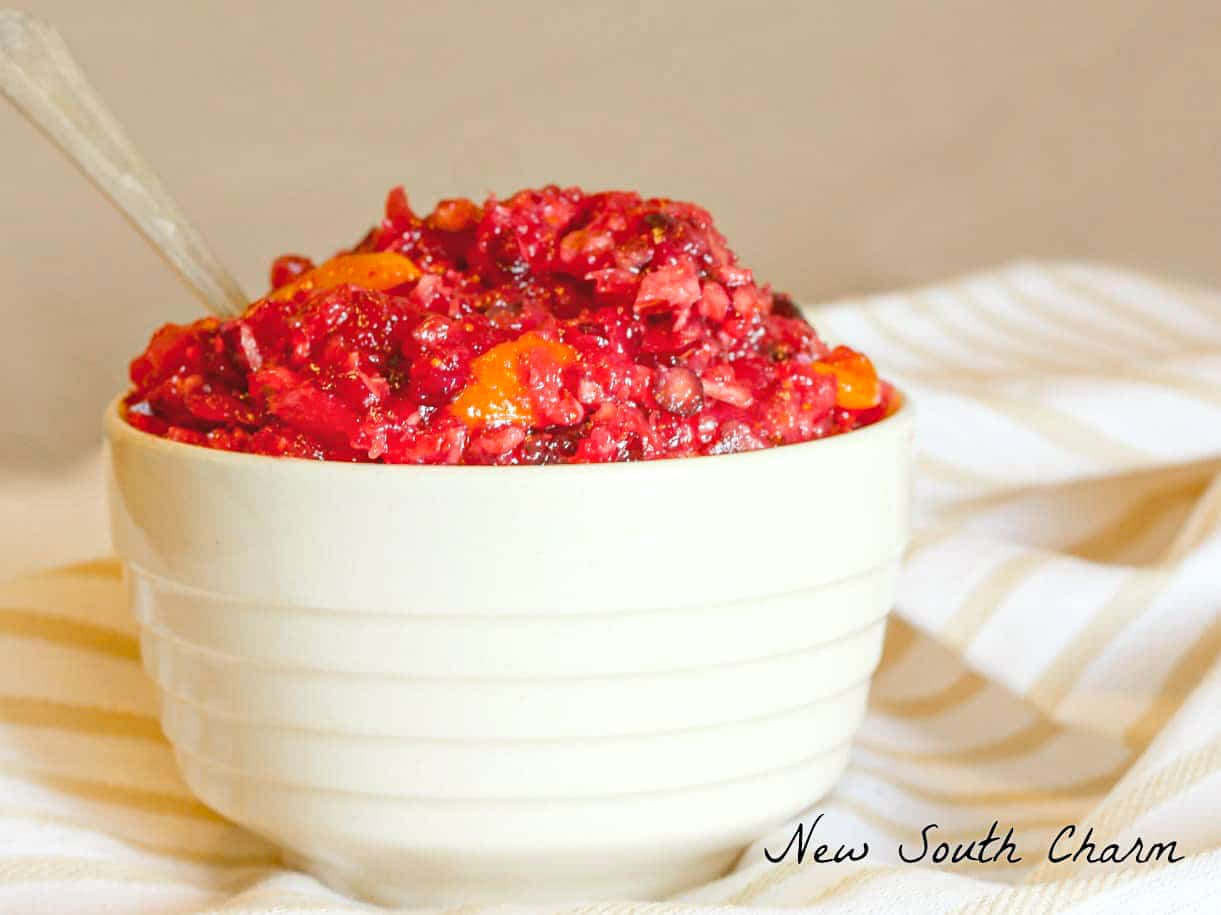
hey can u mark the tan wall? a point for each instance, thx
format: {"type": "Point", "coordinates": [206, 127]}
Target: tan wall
{"type": "Point", "coordinates": [843, 146]}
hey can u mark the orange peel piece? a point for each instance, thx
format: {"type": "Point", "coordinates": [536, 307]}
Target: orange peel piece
{"type": "Point", "coordinates": [496, 395]}
{"type": "Point", "coordinates": [857, 383]}
{"type": "Point", "coordinates": [370, 270]}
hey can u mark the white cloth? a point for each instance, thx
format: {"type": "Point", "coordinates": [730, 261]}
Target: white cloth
{"type": "Point", "coordinates": [1054, 659]}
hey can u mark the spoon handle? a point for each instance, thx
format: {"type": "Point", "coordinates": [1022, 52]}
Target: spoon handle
{"type": "Point", "coordinates": [40, 77]}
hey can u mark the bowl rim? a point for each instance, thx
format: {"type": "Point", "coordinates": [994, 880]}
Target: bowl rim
{"type": "Point", "coordinates": [117, 428]}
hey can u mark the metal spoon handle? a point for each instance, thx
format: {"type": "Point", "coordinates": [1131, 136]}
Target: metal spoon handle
{"type": "Point", "coordinates": [40, 77]}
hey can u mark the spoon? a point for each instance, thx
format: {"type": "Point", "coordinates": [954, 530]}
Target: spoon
{"type": "Point", "coordinates": [41, 79]}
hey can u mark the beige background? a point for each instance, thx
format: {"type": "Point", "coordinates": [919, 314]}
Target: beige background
{"type": "Point", "coordinates": [843, 146]}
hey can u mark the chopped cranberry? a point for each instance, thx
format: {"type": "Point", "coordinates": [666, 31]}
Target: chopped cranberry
{"type": "Point", "coordinates": [287, 267]}
{"type": "Point", "coordinates": [553, 326]}
{"type": "Point", "coordinates": [679, 391]}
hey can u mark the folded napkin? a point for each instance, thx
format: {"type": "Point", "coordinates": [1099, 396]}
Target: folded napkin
{"type": "Point", "coordinates": [1053, 661]}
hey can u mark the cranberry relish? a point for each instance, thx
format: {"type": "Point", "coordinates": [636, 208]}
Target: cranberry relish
{"type": "Point", "coordinates": [552, 327]}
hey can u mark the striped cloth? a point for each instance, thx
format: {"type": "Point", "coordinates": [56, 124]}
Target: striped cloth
{"type": "Point", "coordinates": [1054, 659]}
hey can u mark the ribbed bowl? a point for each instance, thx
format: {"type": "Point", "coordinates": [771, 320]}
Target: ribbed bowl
{"type": "Point", "coordinates": [433, 685]}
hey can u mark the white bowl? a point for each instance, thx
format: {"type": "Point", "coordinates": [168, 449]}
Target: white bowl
{"type": "Point", "coordinates": [437, 685]}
